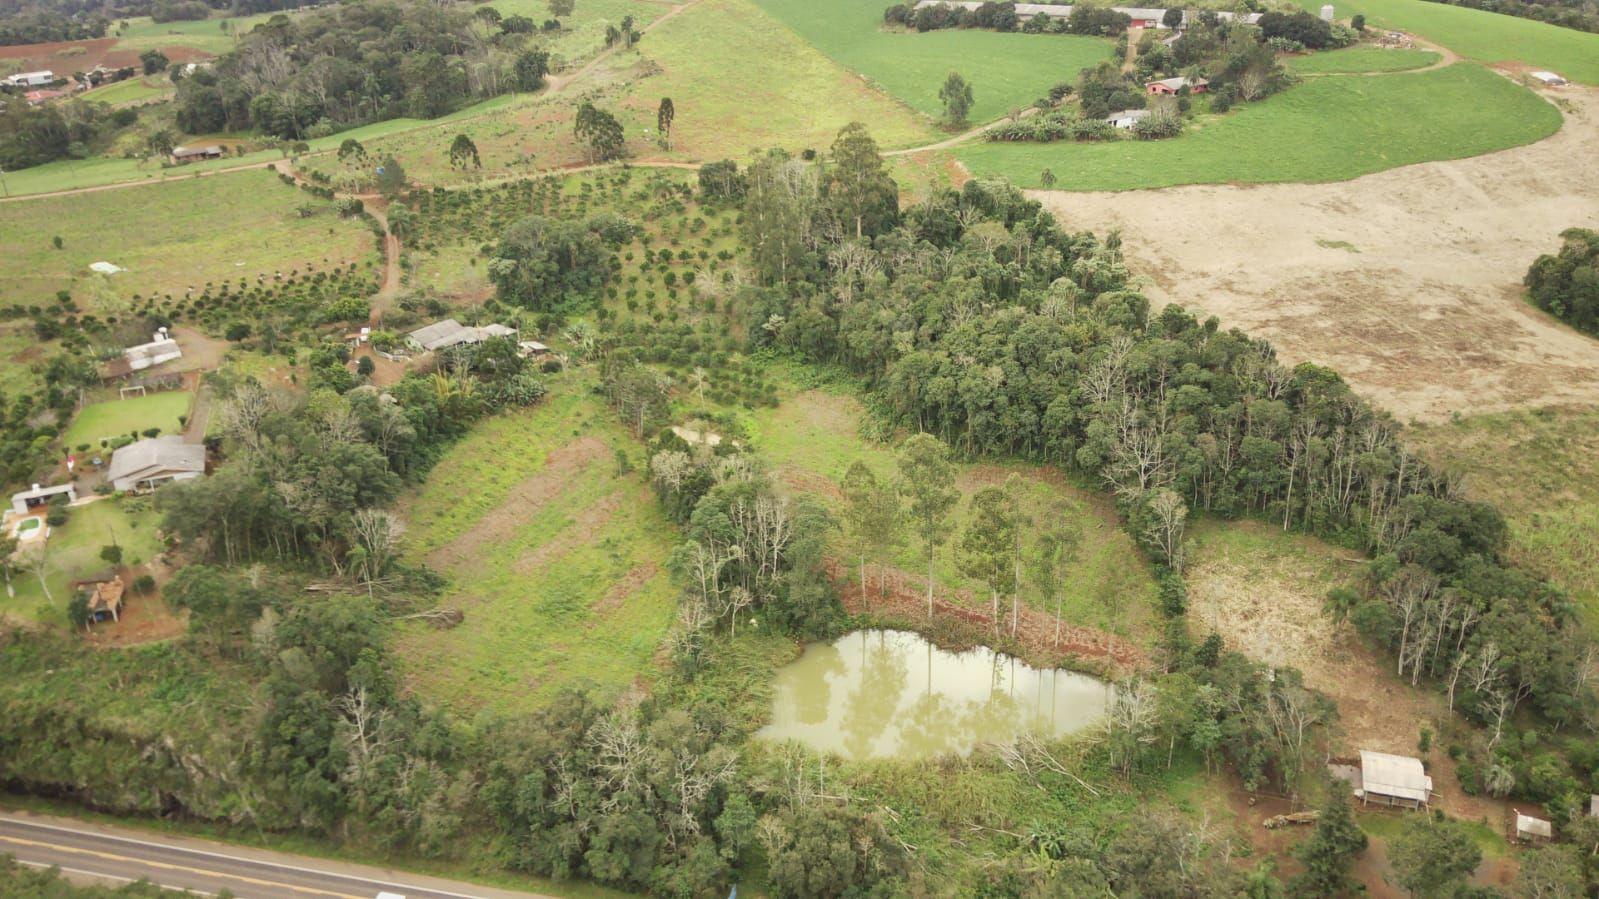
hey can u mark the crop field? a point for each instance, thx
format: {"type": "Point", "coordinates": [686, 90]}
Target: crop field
{"type": "Point", "coordinates": [72, 551]}
{"type": "Point", "coordinates": [813, 437]}
{"type": "Point", "coordinates": [1326, 129]}
{"type": "Point", "coordinates": [119, 418]}
{"type": "Point", "coordinates": [169, 238]}
{"type": "Point", "coordinates": [1004, 70]}
{"type": "Point", "coordinates": [1360, 59]}
{"type": "Point", "coordinates": [556, 557]}
{"type": "Point", "coordinates": [1541, 468]}
{"type": "Point", "coordinates": [206, 35]}
{"type": "Point", "coordinates": [1484, 36]}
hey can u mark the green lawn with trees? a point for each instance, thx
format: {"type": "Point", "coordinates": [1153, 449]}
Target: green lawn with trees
{"type": "Point", "coordinates": [1005, 71]}
{"type": "Point", "coordinates": [1484, 36]}
{"type": "Point", "coordinates": [121, 417]}
{"type": "Point", "coordinates": [1326, 129]}
{"type": "Point", "coordinates": [72, 551]}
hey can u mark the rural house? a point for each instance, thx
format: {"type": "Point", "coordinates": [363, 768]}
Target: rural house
{"type": "Point", "coordinates": [161, 348]}
{"type": "Point", "coordinates": [531, 349]}
{"type": "Point", "coordinates": [1393, 780]}
{"type": "Point", "coordinates": [445, 334]}
{"type": "Point", "coordinates": [182, 155]}
{"type": "Point", "coordinates": [28, 500]}
{"type": "Point", "coordinates": [1127, 118]}
{"type": "Point", "coordinates": [31, 79]}
{"type": "Point", "coordinates": [149, 463]}
{"type": "Point", "coordinates": [1171, 86]}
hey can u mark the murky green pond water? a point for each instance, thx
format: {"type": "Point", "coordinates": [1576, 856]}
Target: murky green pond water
{"type": "Point", "coordinates": [891, 694]}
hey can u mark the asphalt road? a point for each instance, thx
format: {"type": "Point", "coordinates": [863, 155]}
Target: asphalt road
{"type": "Point", "coordinates": [115, 855]}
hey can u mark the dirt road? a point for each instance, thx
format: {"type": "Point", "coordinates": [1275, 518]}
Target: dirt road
{"type": "Point", "coordinates": [1406, 281]}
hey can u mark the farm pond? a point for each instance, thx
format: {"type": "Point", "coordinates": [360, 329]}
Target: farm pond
{"type": "Point", "coordinates": [877, 694]}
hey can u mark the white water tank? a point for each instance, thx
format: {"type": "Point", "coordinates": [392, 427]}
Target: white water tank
{"type": "Point", "coordinates": [1327, 13]}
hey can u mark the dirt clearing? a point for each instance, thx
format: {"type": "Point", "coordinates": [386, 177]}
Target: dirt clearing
{"type": "Point", "coordinates": [1408, 282]}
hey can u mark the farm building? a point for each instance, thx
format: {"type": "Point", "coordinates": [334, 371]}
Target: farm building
{"type": "Point", "coordinates": [162, 348]}
{"type": "Point", "coordinates": [1533, 830]}
{"type": "Point", "coordinates": [34, 98]}
{"type": "Point", "coordinates": [105, 600]}
{"type": "Point", "coordinates": [1393, 780]}
{"type": "Point", "coordinates": [1169, 86]}
{"type": "Point", "coordinates": [31, 79]}
{"type": "Point", "coordinates": [530, 349]}
{"type": "Point", "coordinates": [1127, 118]}
{"type": "Point", "coordinates": [28, 500]}
{"type": "Point", "coordinates": [445, 334]}
{"type": "Point", "coordinates": [149, 463]}
{"type": "Point", "coordinates": [1549, 78]}
{"type": "Point", "coordinates": [182, 155]}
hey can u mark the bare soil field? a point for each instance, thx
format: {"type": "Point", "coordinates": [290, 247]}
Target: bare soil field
{"type": "Point", "coordinates": [66, 57]}
{"type": "Point", "coordinates": [1408, 281]}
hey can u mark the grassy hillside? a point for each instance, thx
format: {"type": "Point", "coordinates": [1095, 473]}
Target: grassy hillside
{"type": "Point", "coordinates": [1541, 468]}
{"type": "Point", "coordinates": [1326, 129]}
{"type": "Point", "coordinates": [1005, 70]}
{"type": "Point", "coordinates": [169, 238]}
{"type": "Point", "coordinates": [556, 557]}
{"type": "Point", "coordinates": [1485, 36]}
{"type": "Point", "coordinates": [1360, 59]}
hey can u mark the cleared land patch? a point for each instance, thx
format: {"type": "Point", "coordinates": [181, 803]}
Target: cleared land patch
{"type": "Point", "coordinates": [1005, 70]}
{"type": "Point", "coordinates": [1484, 36]}
{"type": "Point", "coordinates": [169, 239]}
{"type": "Point", "coordinates": [1428, 317]}
{"type": "Point", "coordinates": [553, 593]}
{"type": "Point", "coordinates": [1541, 468]}
{"type": "Point", "coordinates": [813, 437]}
{"type": "Point", "coordinates": [1325, 129]}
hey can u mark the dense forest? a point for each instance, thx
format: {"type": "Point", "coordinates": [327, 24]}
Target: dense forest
{"type": "Point", "coordinates": [316, 74]}
{"type": "Point", "coordinates": [1566, 284]}
{"type": "Point", "coordinates": [1579, 14]}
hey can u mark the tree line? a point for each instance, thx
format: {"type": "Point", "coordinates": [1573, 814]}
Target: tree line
{"type": "Point", "coordinates": [974, 317]}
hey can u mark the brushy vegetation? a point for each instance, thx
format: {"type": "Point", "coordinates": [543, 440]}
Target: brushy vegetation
{"type": "Point", "coordinates": [1325, 129]}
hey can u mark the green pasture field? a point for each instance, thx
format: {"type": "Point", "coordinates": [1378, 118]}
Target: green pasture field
{"type": "Point", "coordinates": [813, 437]}
{"type": "Point", "coordinates": [168, 239]}
{"type": "Point", "coordinates": [762, 86]}
{"type": "Point", "coordinates": [1005, 70]}
{"type": "Point", "coordinates": [117, 417]}
{"type": "Point", "coordinates": [19, 347]}
{"type": "Point", "coordinates": [582, 34]}
{"type": "Point", "coordinates": [1541, 468]}
{"type": "Point", "coordinates": [1484, 36]}
{"type": "Point", "coordinates": [574, 590]}
{"type": "Point", "coordinates": [132, 90]}
{"type": "Point", "coordinates": [1360, 59]}
{"type": "Point", "coordinates": [206, 35]}
{"type": "Point", "coordinates": [1326, 129]}
{"type": "Point", "coordinates": [99, 171]}
{"type": "Point", "coordinates": [72, 551]}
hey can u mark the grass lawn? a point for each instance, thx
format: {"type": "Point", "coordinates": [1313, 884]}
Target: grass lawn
{"type": "Point", "coordinates": [72, 551]}
{"type": "Point", "coordinates": [1483, 36]}
{"type": "Point", "coordinates": [170, 238]}
{"type": "Point", "coordinates": [556, 558]}
{"type": "Point", "coordinates": [116, 417]}
{"type": "Point", "coordinates": [813, 437]}
{"type": "Point", "coordinates": [1359, 59]}
{"type": "Point", "coordinates": [1326, 129]}
{"type": "Point", "coordinates": [143, 33]}
{"type": "Point", "coordinates": [1005, 70]}
{"type": "Point", "coordinates": [1541, 468]}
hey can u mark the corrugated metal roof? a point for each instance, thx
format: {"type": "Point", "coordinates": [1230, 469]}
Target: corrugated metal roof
{"type": "Point", "coordinates": [1394, 775]}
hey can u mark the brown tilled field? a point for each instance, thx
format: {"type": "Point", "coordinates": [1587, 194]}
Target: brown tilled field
{"type": "Point", "coordinates": [66, 57]}
{"type": "Point", "coordinates": [1406, 281]}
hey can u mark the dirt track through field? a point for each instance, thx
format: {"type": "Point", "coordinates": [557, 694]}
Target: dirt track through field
{"type": "Point", "coordinates": [1408, 282]}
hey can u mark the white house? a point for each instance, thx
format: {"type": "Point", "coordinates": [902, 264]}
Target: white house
{"type": "Point", "coordinates": [31, 79]}
{"type": "Point", "coordinates": [161, 348]}
{"type": "Point", "coordinates": [28, 500]}
{"type": "Point", "coordinates": [149, 463]}
{"type": "Point", "coordinates": [1127, 118]}
{"type": "Point", "coordinates": [1393, 780]}
{"type": "Point", "coordinates": [445, 334]}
